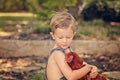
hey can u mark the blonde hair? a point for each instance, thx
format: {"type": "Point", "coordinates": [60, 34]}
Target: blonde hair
{"type": "Point", "coordinates": [63, 20]}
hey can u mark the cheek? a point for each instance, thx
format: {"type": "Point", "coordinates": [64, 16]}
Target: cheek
{"type": "Point", "coordinates": [57, 41]}
{"type": "Point", "coordinates": [69, 41]}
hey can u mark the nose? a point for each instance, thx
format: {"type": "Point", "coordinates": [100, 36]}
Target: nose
{"type": "Point", "coordinates": [64, 40]}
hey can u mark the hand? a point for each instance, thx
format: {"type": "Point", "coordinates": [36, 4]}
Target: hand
{"type": "Point", "coordinates": [94, 72]}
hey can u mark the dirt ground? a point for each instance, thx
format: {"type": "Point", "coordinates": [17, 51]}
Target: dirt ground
{"type": "Point", "coordinates": [19, 68]}
{"type": "Point", "coordinates": [105, 62]}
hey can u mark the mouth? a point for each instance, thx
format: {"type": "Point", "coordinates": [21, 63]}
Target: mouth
{"type": "Point", "coordinates": [64, 45]}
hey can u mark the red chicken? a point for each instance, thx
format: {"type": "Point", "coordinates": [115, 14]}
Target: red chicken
{"type": "Point", "coordinates": [75, 62]}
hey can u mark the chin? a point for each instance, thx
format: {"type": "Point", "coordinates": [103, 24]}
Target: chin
{"type": "Point", "coordinates": [64, 47]}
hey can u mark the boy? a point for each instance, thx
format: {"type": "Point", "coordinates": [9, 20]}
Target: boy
{"type": "Point", "coordinates": [63, 26]}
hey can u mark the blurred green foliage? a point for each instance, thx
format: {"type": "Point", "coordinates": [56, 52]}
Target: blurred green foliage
{"type": "Point", "coordinates": [92, 29]}
{"type": "Point", "coordinates": [93, 16]}
{"type": "Point", "coordinates": [107, 10]}
{"type": "Point", "coordinates": [45, 8]}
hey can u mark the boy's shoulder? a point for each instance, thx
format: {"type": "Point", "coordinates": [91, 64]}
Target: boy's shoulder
{"type": "Point", "coordinates": [57, 49]}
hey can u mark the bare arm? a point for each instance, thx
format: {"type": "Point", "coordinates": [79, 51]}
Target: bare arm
{"type": "Point", "coordinates": [70, 74]}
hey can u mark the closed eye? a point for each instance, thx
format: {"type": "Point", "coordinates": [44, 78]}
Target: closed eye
{"type": "Point", "coordinates": [68, 37]}
{"type": "Point", "coordinates": [60, 37]}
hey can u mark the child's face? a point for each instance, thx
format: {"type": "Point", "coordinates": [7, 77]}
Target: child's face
{"type": "Point", "coordinates": [63, 37]}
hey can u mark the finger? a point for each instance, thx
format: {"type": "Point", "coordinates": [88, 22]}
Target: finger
{"type": "Point", "coordinates": [93, 75]}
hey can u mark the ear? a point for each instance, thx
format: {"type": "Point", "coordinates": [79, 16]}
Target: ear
{"type": "Point", "coordinates": [74, 33]}
{"type": "Point", "coordinates": [70, 58]}
{"type": "Point", "coordinates": [52, 35]}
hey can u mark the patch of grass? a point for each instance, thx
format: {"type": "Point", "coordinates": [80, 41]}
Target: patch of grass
{"type": "Point", "coordinates": [8, 23]}
{"type": "Point", "coordinates": [11, 24]}
{"type": "Point", "coordinates": [41, 29]}
{"type": "Point", "coordinates": [95, 23]}
{"type": "Point", "coordinates": [97, 29]}
{"type": "Point", "coordinates": [112, 34]}
{"type": "Point", "coordinates": [91, 31]}
{"type": "Point", "coordinates": [39, 75]}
